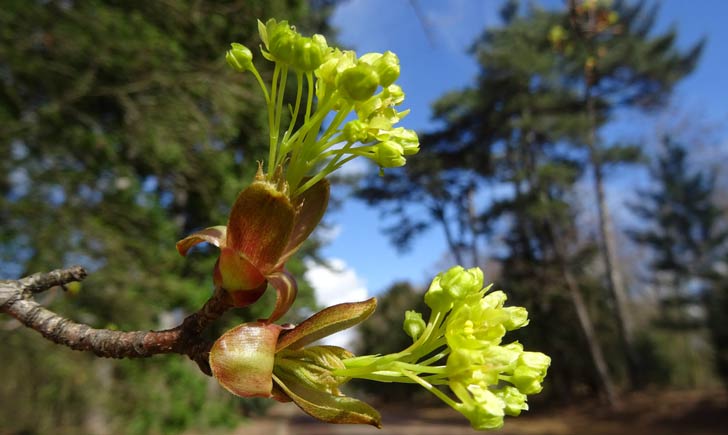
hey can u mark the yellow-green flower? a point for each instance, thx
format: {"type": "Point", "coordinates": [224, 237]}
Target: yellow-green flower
{"type": "Point", "coordinates": [332, 84]}
{"type": "Point", "coordinates": [461, 347]}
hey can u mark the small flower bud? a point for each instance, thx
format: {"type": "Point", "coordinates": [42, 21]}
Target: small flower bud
{"type": "Point", "coordinates": [530, 372]}
{"type": "Point", "coordinates": [436, 298]}
{"type": "Point", "coordinates": [382, 125]}
{"type": "Point", "coordinates": [309, 53]}
{"type": "Point", "coordinates": [387, 66]}
{"type": "Point", "coordinates": [365, 110]}
{"type": "Point", "coordinates": [389, 154]}
{"type": "Point", "coordinates": [488, 411]}
{"type": "Point", "coordinates": [358, 83]}
{"type": "Point", "coordinates": [394, 94]}
{"type": "Point", "coordinates": [494, 299]}
{"type": "Point", "coordinates": [535, 360]}
{"type": "Point", "coordinates": [515, 400]}
{"type": "Point", "coordinates": [406, 138]}
{"type": "Point", "coordinates": [282, 41]}
{"type": "Point", "coordinates": [414, 325]}
{"type": "Point", "coordinates": [326, 72]}
{"type": "Point", "coordinates": [370, 58]}
{"type": "Point", "coordinates": [355, 131]}
{"type": "Point", "coordinates": [335, 62]}
{"type": "Point", "coordinates": [460, 282]}
{"type": "Point", "coordinates": [239, 57]}
{"type": "Point", "coordinates": [526, 380]}
{"type": "Point", "coordinates": [501, 358]}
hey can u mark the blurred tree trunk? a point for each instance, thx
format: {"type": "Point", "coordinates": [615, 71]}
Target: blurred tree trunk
{"type": "Point", "coordinates": [607, 245]}
{"type": "Point", "coordinates": [585, 322]}
{"type": "Point", "coordinates": [615, 284]}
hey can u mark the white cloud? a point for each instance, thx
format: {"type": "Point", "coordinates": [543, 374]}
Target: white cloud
{"type": "Point", "coordinates": [336, 284]}
{"type": "Point", "coordinates": [328, 233]}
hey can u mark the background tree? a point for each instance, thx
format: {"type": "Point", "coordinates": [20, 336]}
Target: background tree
{"type": "Point", "coordinates": [503, 168]}
{"type": "Point", "coordinates": [511, 133]}
{"type": "Point", "coordinates": [685, 232]}
{"type": "Point", "coordinates": [122, 132]}
{"type": "Point", "coordinates": [613, 55]}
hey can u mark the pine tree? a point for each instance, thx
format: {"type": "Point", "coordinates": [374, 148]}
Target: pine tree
{"type": "Point", "coordinates": [684, 231]}
{"type": "Point", "coordinates": [610, 52]}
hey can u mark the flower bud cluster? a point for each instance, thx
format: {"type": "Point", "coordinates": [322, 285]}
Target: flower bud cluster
{"type": "Point", "coordinates": [358, 79]}
{"type": "Point", "coordinates": [479, 365]}
{"type": "Point", "coordinates": [386, 145]}
{"type": "Point", "coordinates": [341, 83]}
{"type": "Point", "coordinates": [288, 47]}
{"type": "Point", "coordinates": [461, 346]}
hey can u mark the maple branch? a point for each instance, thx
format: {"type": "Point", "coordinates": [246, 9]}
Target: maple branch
{"type": "Point", "coordinates": [16, 299]}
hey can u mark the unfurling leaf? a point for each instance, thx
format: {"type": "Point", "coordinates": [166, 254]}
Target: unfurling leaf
{"type": "Point", "coordinates": [324, 323]}
{"type": "Point", "coordinates": [330, 408]}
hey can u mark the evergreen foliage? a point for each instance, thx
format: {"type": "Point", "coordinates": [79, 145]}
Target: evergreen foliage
{"type": "Point", "coordinates": [123, 131]}
{"type": "Point", "coordinates": [685, 233]}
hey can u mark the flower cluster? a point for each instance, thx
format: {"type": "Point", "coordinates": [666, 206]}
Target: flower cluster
{"type": "Point", "coordinates": [342, 84]}
{"type": "Point", "coordinates": [273, 216]}
{"type": "Point", "coordinates": [459, 347]}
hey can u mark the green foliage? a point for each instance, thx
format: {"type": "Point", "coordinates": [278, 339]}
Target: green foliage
{"type": "Point", "coordinates": [123, 131]}
{"type": "Point", "coordinates": [683, 227]}
{"type": "Point", "coordinates": [182, 398]}
{"type": "Point", "coordinates": [654, 366]}
{"type": "Point", "coordinates": [685, 233]}
{"type": "Point", "coordinates": [31, 384]}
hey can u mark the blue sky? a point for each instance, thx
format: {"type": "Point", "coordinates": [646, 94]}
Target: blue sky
{"type": "Point", "coordinates": [436, 63]}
